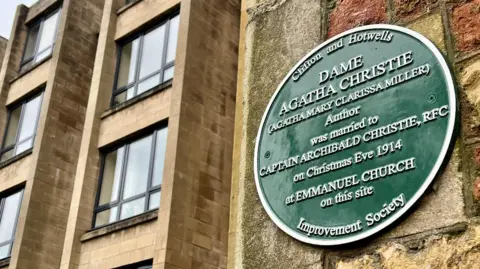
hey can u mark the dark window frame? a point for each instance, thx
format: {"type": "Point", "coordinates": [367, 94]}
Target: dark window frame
{"type": "Point", "coordinates": [120, 201]}
{"type": "Point", "coordinates": [127, 2]}
{"type": "Point", "coordinates": [40, 21]}
{"type": "Point", "coordinates": [139, 265]}
{"type": "Point", "coordinates": [23, 104]}
{"type": "Point", "coordinates": [164, 66]}
{"type": "Point", "coordinates": [3, 198]}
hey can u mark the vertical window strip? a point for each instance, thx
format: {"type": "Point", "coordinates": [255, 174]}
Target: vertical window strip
{"type": "Point", "coordinates": [19, 127]}
{"type": "Point", "coordinates": [131, 89]}
{"type": "Point", "coordinates": [117, 205]}
{"type": "Point", "coordinates": [7, 244]}
{"type": "Point", "coordinates": [36, 55]}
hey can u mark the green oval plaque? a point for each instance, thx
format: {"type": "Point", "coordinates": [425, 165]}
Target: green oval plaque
{"type": "Point", "coordinates": [354, 134]}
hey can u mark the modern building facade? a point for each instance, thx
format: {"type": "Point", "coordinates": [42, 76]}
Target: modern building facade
{"type": "Point", "coordinates": [117, 130]}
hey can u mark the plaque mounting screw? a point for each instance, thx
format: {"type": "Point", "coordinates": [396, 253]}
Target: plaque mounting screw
{"type": "Point", "coordinates": [267, 154]}
{"type": "Point", "coordinates": [432, 98]}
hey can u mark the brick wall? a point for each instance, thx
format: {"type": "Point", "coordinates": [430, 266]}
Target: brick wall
{"type": "Point", "coordinates": [3, 47]}
{"type": "Point", "coordinates": [153, 109]}
{"type": "Point", "coordinates": [49, 185]}
{"type": "Point", "coordinates": [103, 126]}
{"type": "Point", "coordinates": [41, 7]}
{"type": "Point", "coordinates": [200, 137]}
{"type": "Point", "coordinates": [141, 13]}
{"type": "Point", "coordinates": [29, 82]}
{"type": "Point", "coordinates": [125, 247]}
{"type": "Point", "coordinates": [443, 230]}
{"type": "Point", "coordinates": [11, 60]}
{"type": "Point", "coordinates": [190, 229]}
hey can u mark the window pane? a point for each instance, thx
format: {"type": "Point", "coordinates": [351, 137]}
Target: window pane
{"type": "Point", "coordinates": [123, 96]}
{"type": "Point", "coordinates": [11, 135]}
{"type": "Point", "coordinates": [168, 73]}
{"type": "Point", "coordinates": [154, 201]}
{"type": "Point", "coordinates": [29, 118]}
{"type": "Point", "coordinates": [43, 55]}
{"type": "Point", "coordinates": [49, 31]}
{"type": "Point", "coordinates": [159, 160]}
{"type": "Point", "coordinates": [4, 251]}
{"type": "Point", "coordinates": [128, 63]}
{"type": "Point", "coordinates": [172, 39]}
{"type": "Point", "coordinates": [9, 217]}
{"type": "Point", "coordinates": [26, 66]}
{"type": "Point", "coordinates": [132, 208]}
{"type": "Point", "coordinates": [7, 155]}
{"type": "Point", "coordinates": [148, 84]}
{"type": "Point", "coordinates": [119, 98]}
{"type": "Point", "coordinates": [106, 217]}
{"type": "Point", "coordinates": [136, 176]}
{"type": "Point", "coordinates": [112, 170]}
{"type": "Point", "coordinates": [31, 42]}
{"type": "Point", "coordinates": [152, 51]}
{"type": "Point", "coordinates": [24, 146]}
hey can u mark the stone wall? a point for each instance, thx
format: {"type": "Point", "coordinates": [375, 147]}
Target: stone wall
{"type": "Point", "coordinates": [49, 183]}
{"type": "Point", "coordinates": [444, 229]}
{"type": "Point", "coordinates": [3, 47]}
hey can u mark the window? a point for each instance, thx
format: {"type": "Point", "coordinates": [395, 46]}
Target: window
{"type": "Point", "coordinates": [139, 265]}
{"type": "Point", "coordinates": [21, 127]}
{"type": "Point", "coordinates": [9, 210]}
{"type": "Point", "coordinates": [146, 61]}
{"type": "Point", "coordinates": [40, 40]}
{"type": "Point", "coordinates": [131, 179]}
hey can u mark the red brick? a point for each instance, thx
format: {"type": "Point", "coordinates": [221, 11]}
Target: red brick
{"type": "Point", "coordinates": [352, 13]}
{"type": "Point", "coordinates": [465, 25]}
{"type": "Point", "coordinates": [408, 10]}
{"type": "Point", "coordinates": [476, 189]}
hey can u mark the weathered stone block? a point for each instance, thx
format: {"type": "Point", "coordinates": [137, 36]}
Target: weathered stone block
{"type": "Point", "coordinates": [476, 189]}
{"type": "Point", "coordinates": [437, 251]}
{"type": "Point", "coordinates": [407, 10]}
{"type": "Point", "coordinates": [270, 53]}
{"type": "Point", "coordinates": [352, 13]}
{"type": "Point", "coordinates": [432, 28]}
{"type": "Point", "coordinates": [3, 47]}
{"type": "Point", "coordinates": [470, 126]}
{"type": "Point", "coordinates": [465, 24]}
{"type": "Point", "coordinates": [441, 207]}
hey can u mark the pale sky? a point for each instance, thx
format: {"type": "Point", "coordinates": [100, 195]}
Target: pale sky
{"type": "Point", "coordinates": [7, 12]}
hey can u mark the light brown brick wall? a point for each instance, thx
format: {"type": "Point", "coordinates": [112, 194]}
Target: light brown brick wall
{"type": "Point", "coordinates": [41, 7]}
{"type": "Point", "coordinates": [43, 217]}
{"type": "Point", "coordinates": [61, 175]}
{"type": "Point", "coordinates": [15, 173]}
{"type": "Point", "coordinates": [141, 13]}
{"type": "Point", "coordinates": [128, 246]}
{"type": "Point", "coordinates": [11, 61]}
{"type": "Point", "coordinates": [145, 113]}
{"type": "Point", "coordinates": [201, 127]}
{"type": "Point", "coordinates": [29, 82]}
{"type": "Point", "coordinates": [87, 170]}
{"type": "Point", "coordinates": [3, 47]}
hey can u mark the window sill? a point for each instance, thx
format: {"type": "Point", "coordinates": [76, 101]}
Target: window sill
{"type": "Point", "coordinates": [5, 262]}
{"type": "Point", "coordinates": [15, 158]}
{"type": "Point", "coordinates": [24, 72]}
{"type": "Point", "coordinates": [136, 99]}
{"type": "Point", "coordinates": [127, 6]}
{"type": "Point", "coordinates": [120, 225]}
